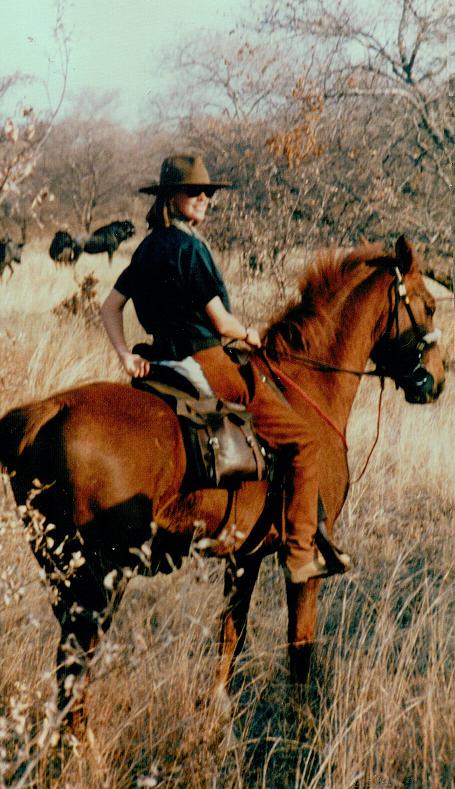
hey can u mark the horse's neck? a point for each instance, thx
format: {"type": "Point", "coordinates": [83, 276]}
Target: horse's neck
{"type": "Point", "coordinates": [349, 348]}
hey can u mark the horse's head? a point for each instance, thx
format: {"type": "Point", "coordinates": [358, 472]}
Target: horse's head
{"type": "Point", "coordinates": [407, 349]}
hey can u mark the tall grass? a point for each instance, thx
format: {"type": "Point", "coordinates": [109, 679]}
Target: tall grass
{"type": "Point", "coordinates": [379, 709]}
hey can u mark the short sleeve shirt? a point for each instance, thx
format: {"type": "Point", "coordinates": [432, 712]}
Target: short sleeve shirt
{"type": "Point", "coordinates": [171, 279]}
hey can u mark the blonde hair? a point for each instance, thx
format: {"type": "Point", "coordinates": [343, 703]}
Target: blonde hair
{"type": "Point", "coordinates": [160, 213]}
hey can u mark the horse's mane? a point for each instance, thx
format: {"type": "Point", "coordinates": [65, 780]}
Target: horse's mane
{"type": "Point", "coordinates": [327, 282]}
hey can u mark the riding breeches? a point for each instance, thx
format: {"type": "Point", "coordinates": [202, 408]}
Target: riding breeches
{"type": "Point", "coordinates": [282, 427]}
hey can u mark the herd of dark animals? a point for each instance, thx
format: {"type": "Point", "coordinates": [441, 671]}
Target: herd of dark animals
{"type": "Point", "coordinates": [65, 250]}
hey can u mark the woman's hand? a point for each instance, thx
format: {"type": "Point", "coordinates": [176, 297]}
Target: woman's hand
{"type": "Point", "coordinates": [227, 325]}
{"type": "Point", "coordinates": [134, 364]}
{"type": "Point", "coordinates": [252, 337]}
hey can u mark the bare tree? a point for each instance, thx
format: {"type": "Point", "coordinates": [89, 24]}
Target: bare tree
{"type": "Point", "coordinates": [386, 87]}
{"type": "Point", "coordinates": [88, 170]}
{"type": "Point", "coordinates": [22, 140]}
{"type": "Point", "coordinates": [235, 78]}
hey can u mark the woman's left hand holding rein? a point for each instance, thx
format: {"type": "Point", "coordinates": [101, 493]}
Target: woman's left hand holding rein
{"type": "Point", "coordinates": [252, 337]}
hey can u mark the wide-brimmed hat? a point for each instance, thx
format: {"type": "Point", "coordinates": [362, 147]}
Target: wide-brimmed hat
{"type": "Point", "coordinates": [180, 171]}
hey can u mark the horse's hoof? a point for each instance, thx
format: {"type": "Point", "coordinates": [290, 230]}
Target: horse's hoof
{"type": "Point", "coordinates": [230, 740]}
{"type": "Point", "coordinates": [223, 702]}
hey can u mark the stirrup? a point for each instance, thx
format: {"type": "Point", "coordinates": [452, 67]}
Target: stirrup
{"type": "Point", "coordinates": [336, 560]}
{"type": "Point", "coordinates": [319, 568]}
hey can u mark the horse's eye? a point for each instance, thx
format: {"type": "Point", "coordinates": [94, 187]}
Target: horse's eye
{"type": "Point", "coordinates": [429, 310]}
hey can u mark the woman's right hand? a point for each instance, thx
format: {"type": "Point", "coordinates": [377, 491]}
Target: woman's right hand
{"type": "Point", "coordinates": [252, 337]}
{"type": "Point", "coordinates": [134, 364]}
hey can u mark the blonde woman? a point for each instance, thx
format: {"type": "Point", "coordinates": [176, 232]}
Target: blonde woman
{"type": "Point", "coordinates": [180, 298]}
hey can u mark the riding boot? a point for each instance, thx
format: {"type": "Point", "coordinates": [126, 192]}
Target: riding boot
{"type": "Point", "coordinates": [309, 553]}
{"type": "Point", "coordinates": [335, 559]}
{"type": "Point", "coordinates": [334, 562]}
{"type": "Point", "coordinates": [300, 521]}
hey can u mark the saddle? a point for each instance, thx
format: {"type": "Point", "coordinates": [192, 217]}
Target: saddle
{"type": "Point", "coordinates": [221, 446]}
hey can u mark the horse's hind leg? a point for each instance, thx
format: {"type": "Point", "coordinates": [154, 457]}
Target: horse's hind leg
{"type": "Point", "coordinates": [78, 641]}
{"type": "Point", "coordinates": [239, 580]}
{"type": "Point", "coordinates": [84, 615]}
{"type": "Point", "coordinates": [302, 609]}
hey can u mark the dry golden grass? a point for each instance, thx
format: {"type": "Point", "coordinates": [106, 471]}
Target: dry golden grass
{"type": "Point", "coordinates": [379, 711]}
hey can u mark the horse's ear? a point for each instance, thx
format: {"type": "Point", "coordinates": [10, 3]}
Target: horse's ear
{"type": "Point", "coordinates": [404, 255]}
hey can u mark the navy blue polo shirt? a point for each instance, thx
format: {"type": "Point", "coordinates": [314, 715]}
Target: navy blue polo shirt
{"type": "Point", "coordinates": [171, 279]}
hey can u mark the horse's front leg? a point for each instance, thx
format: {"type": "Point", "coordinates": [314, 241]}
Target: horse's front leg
{"type": "Point", "coordinates": [302, 609]}
{"type": "Point", "coordinates": [239, 579]}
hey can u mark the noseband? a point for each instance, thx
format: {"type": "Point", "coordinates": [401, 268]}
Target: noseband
{"type": "Point", "coordinates": [401, 357]}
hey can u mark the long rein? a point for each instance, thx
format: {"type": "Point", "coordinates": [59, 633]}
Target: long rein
{"type": "Point", "coordinates": [284, 381]}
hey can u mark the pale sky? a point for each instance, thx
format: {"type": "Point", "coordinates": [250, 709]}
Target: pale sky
{"type": "Point", "coordinates": [114, 44]}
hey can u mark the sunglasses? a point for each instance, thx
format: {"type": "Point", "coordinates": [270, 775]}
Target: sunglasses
{"type": "Point", "coordinates": [195, 191]}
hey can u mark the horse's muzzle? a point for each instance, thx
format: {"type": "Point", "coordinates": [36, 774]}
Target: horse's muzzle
{"type": "Point", "coordinates": [419, 386]}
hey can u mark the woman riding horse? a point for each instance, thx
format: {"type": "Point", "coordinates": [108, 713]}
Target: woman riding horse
{"type": "Point", "coordinates": [180, 298]}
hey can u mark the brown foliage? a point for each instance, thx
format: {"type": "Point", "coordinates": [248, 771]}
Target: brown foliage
{"type": "Point", "coordinates": [83, 302]}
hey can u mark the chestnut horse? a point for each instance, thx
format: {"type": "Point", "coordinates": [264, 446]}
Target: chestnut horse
{"type": "Point", "coordinates": [110, 461]}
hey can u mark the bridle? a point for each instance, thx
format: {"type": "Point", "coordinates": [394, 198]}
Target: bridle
{"type": "Point", "coordinates": [399, 358]}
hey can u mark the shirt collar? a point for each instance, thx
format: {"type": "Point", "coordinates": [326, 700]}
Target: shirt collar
{"type": "Point", "coordinates": [180, 224]}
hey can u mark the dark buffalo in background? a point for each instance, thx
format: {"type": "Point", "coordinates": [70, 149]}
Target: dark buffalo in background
{"type": "Point", "coordinates": [109, 237]}
{"type": "Point", "coordinates": [10, 252]}
{"type": "Point", "coordinates": [122, 229]}
{"type": "Point", "coordinates": [65, 249]}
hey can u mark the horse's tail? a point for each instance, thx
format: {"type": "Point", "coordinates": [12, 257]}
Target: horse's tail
{"type": "Point", "coordinates": [20, 427]}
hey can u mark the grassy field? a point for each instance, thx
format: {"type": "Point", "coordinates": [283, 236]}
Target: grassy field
{"type": "Point", "coordinates": [379, 710]}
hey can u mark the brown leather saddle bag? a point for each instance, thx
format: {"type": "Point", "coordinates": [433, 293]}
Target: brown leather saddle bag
{"type": "Point", "coordinates": [222, 443]}
{"type": "Point", "coordinates": [221, 446]}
